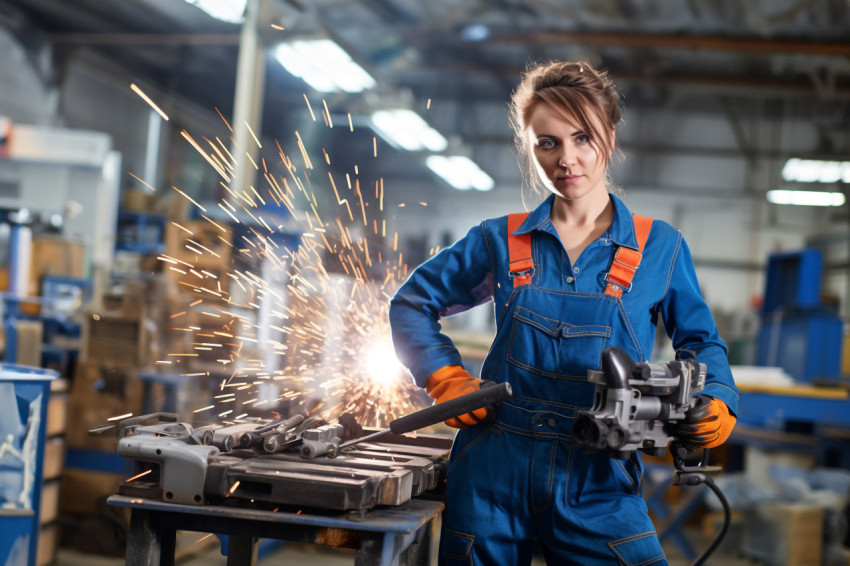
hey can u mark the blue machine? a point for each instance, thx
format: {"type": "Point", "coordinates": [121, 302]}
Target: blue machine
{"type": "Point", "coordinates": [798, 332]}
{"type": "Point", "coordinates": [61, 298]}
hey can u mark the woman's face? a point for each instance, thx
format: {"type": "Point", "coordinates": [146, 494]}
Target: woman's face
{"type": "Point", "coordinates": [568, 164]}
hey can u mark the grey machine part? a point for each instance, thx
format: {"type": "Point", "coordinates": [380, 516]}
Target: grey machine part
{"type": "Point", "coordinates": [633, 403]}
{"type": "Point", "coordinates": [182, 456]}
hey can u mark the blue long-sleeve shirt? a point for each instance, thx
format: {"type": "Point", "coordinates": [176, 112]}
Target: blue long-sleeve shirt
{"type": "Point", "coordinates": [474, 271]}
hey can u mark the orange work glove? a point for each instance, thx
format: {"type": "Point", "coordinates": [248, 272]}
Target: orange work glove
{"type": "Point", "coordinates": [450, 382]}
{"type": "Point", "coordinates": [708, 424]}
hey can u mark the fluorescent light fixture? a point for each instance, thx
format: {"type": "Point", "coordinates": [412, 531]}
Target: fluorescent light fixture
{"type": "Point", "coordinates": [805, 198]}
{"type": "Point", "coordinates": [816, 171]}
{"type": "Point", "coordinates": [407, 130]}
{"type": "Point", "coordinates": [460, 172]}
{"type": "Point", "coordinates": [324, 65]}
{"type": "Point", "coordinates": [232, 11]}
{"type": "Point", "coordinates": [475, 32]}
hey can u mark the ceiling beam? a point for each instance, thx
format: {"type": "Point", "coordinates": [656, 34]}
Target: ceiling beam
{"type": "Point", "coordinates": [423, 79]}
{"type": "Point", "coordinates": [146, 39]}
{"type": "Point", "coordinates": [658, 41]}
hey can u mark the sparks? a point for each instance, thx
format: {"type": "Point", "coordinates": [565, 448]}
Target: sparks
{"type": "Point", "coordinates": [325, 347]}
{"type": "Point", "coordinates": [119, 417]}
{"type": "Point", "coordinates": [150, 102]}
{"type": "Point", "coordinates": [137, 476]}
{"type": "Point", "coordinates": [142, 182]}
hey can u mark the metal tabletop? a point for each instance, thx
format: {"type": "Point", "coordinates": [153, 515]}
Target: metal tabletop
{"type": "Point", "coordinates": [381, 535]}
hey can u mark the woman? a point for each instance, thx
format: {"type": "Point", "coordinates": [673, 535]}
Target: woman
{"type": "Point", "coordinates": [576, 275]}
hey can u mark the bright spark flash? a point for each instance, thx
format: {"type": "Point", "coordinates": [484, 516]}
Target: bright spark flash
{"type": "Point", "coordinates": [302, 324]}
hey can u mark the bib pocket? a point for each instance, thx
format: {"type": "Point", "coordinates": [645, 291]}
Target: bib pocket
{"type": "Point", "coordinates": [554, 348]}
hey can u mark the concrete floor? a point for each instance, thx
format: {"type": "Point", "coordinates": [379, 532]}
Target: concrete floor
{"type": "Point", "coordinates": [192, 551]}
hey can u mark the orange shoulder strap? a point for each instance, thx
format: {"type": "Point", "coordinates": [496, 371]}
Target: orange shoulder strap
{"type": "Point", "coordinates": [519, 251]}
{"type": "Point", "coordinates": [626, 260]}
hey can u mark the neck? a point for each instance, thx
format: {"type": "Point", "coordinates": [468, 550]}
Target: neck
{"type": "Point", "coordinates": [580, 212]}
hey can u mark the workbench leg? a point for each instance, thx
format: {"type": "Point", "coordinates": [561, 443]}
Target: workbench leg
{"type": "Point", "coordinates": [148, 545]}
{"type": "Point", "coordinates": [419, 553]}
{"type": "Point", "coordinates": [241, 551]}
{"type": "Point", "coordinates": [376, 549]}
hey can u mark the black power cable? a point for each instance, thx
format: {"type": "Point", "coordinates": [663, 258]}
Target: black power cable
{"type": "Point", "coordinates": [727, 519]}
{"type": "Point", "coordinates": [697, 475]}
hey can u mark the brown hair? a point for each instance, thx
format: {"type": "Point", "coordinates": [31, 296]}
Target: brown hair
{"type": "Point", "coordinates": [574, 88]}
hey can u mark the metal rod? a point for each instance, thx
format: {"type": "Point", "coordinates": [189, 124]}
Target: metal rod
{"type": "Point", "coordinates": [372, 436]}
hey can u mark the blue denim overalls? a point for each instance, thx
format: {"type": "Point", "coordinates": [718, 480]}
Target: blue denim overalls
{"type": "Point", "coordinates": [520, 479]}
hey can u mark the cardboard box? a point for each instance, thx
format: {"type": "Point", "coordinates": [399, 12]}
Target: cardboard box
{"type": "Point", "coordinates": [84, 492]}
{"type": "Point", "coordinates": [54, 457]}
{"type": "Point", "coordinates": [207, 282]}
{"type": "Point", "coordinates": [784, 534]}
{"type": "Point", "coordinates": [28, 341]}
{"type": "Point", "coordinates": [48, 508]}
{"type": "Point", "coordinates": [200, 244]}
{"type": "Point", "coordinates": [116, 337]}
{"type": "Point", "coordinates": [48, 544]}
{"type": "Point", "coordinates": [138, 200]}
{"type": "Point", "coordinates": [55, 255]}
{"type": "Point", "coordinates": [57, 407]}
{"type": "Point", "coordinates": [99, 392]}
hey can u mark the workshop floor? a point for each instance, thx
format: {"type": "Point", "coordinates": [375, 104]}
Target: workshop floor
{"type": "Point", "coordinates": [207, 553]}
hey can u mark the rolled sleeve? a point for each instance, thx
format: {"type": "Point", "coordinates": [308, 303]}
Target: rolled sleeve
{"type": "Point", "coordinates": [453, 281]}
{"type": "Point", "coordinates": [691, 326]}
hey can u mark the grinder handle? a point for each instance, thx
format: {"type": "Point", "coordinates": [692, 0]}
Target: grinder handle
{"type": "Point", "coordinates": [452, 409]}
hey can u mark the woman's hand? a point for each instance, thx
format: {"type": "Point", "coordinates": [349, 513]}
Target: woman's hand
{"type": "Point", "coordinates": [451, 382]}
{"type": "Point", "coordinates": [707, 425]}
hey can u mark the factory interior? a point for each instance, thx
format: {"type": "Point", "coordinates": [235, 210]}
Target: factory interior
{"type": "Point", "coordinates": [207, 205]}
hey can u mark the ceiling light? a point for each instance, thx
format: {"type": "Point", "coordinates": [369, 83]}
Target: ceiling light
{"type": "Point", "coordinates": [816, 171]}
{"type": "Point", "coordinates": [232, 11]}
{"type": "Point", "coordinates": [324, 65]}
{"type": "Point", "coordinates": [805, 198]}
{"type": "Point", "coordinates": [405, 129]}
{"type": "Point", "coordinates": [475, 32]}
{"type": "Point", "coordinates": [460, 172]}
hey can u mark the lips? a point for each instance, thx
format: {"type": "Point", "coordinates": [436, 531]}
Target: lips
{"type": "Point", "coordinates": [570, 178]}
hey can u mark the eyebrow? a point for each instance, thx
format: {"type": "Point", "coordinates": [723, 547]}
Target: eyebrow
{"type": "Point", "coordinates": [572, 135]}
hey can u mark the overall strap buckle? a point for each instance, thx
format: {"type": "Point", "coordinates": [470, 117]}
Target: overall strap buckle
{"type": "Point", "coordinates": [521, 264]}
{"type": "Point", "coordinates": [626, 260]}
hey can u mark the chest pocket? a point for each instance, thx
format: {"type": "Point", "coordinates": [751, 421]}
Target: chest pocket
{"type": "Point", "coordinates": [554, 348]}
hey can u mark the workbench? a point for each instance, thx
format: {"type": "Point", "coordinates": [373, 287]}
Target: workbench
{"type": "Point", "coordinates": [381, 535]}
{"type": "Point", "coordinates": [799, 418]}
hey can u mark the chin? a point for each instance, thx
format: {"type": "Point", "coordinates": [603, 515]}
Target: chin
{"type": "Point", "coordinates": [571, 194]}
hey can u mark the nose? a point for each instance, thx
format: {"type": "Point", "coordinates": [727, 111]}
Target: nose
{"type": "Point", "coordinates": [568, 156]}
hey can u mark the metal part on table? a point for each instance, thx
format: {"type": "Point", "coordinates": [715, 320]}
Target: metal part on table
{"type": "Point", "coordinates": [173, 465]}
{"type": "Point", "coordinates": [376, 474]}
{"type": "Point", "coordinates": [321, 441]}
{"type": "Point", "coordinates": [178, 450]}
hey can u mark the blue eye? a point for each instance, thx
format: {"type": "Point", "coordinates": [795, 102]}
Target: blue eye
{"type": "Point", "coordinates": [584, 138]}
{"type": "Point", "coordinates": [546, 144]}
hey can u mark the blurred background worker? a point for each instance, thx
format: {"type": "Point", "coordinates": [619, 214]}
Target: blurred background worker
{"type": "Point", "coordinates": [576, 275]}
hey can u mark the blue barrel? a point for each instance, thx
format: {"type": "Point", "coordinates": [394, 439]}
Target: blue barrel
{"type": "Point", "coordinates": [24, 394]}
